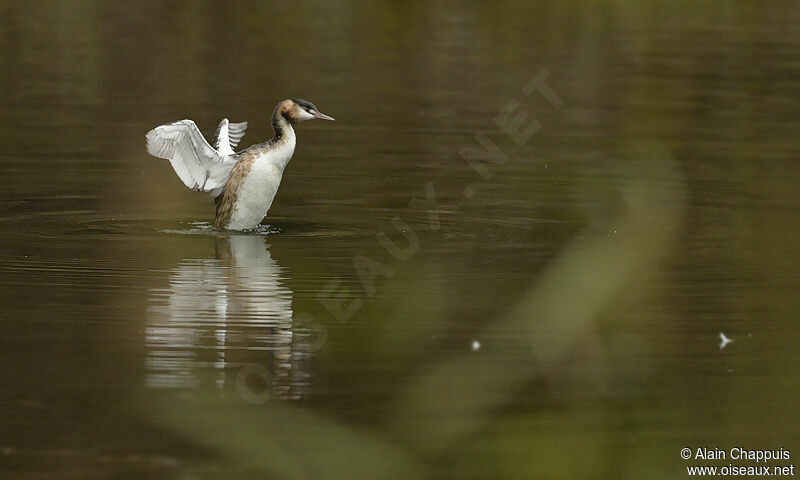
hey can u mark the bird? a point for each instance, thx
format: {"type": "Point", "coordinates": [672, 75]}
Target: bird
{"type": "Point", "coordinates": [242, 184]}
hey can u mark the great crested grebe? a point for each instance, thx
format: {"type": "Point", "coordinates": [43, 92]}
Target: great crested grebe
{"type": "Point", "coordinates": [243, 184]}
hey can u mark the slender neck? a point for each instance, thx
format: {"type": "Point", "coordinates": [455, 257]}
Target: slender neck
{"type": "Point", "coordinates": [281, 126]}
{"type": "Point", "coordinates": [284, 140]}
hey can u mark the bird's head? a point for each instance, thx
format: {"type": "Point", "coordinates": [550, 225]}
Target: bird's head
{"type": "Point", "coordinates": [296, 110]}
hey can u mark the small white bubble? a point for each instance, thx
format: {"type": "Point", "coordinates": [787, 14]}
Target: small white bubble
{"type": "Point", "coordinates": [724, 340]}
{"type": "Point", "coordinates": [476, 345]}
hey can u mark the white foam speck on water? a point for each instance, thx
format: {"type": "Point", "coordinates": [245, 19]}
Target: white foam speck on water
{"type": "Point", "coordinates": [476, 345]}
{"type": "Point", "coordinates": [724, 341]}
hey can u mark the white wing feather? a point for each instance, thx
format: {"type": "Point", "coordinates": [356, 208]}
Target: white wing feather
{"type": "Point", "coordinates": [228, 136]}
{"type": "Point", "coordinates": [235, 132]}
{"type": "Point", "coordinates": [199, 166]}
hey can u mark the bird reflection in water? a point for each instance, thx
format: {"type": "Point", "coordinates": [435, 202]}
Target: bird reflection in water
{"type": "Point", "coordinates": [227, 322]}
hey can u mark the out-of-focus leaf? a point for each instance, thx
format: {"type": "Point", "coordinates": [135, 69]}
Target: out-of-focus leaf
{"type": "Point", "coordinates": [284, 441]}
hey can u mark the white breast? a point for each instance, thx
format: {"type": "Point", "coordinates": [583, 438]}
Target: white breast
{"type": "Point", "coordinates": [259, 187]}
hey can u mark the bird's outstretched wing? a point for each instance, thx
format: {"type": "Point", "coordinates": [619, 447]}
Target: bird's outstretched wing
{"type": "Point", "coordinates": [235, 132]}
{"type": "Point", "coordinates": [199, 166]}
{"type": "Point", "coordinates": [228, 136]}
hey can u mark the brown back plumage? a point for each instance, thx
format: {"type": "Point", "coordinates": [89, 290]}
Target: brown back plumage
{"type": "Point", "coordinates": [226, 201]}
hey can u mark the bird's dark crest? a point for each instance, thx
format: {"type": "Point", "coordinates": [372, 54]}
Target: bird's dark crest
{"type": "Point", "coordinates": [305, 104]}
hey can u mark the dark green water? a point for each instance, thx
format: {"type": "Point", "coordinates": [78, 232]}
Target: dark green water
{"type": "Point", "coordinates": [556, 315]}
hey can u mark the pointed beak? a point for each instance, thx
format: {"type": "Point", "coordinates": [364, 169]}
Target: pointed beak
{"type": "Point", "coordinates": [322, 116]}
